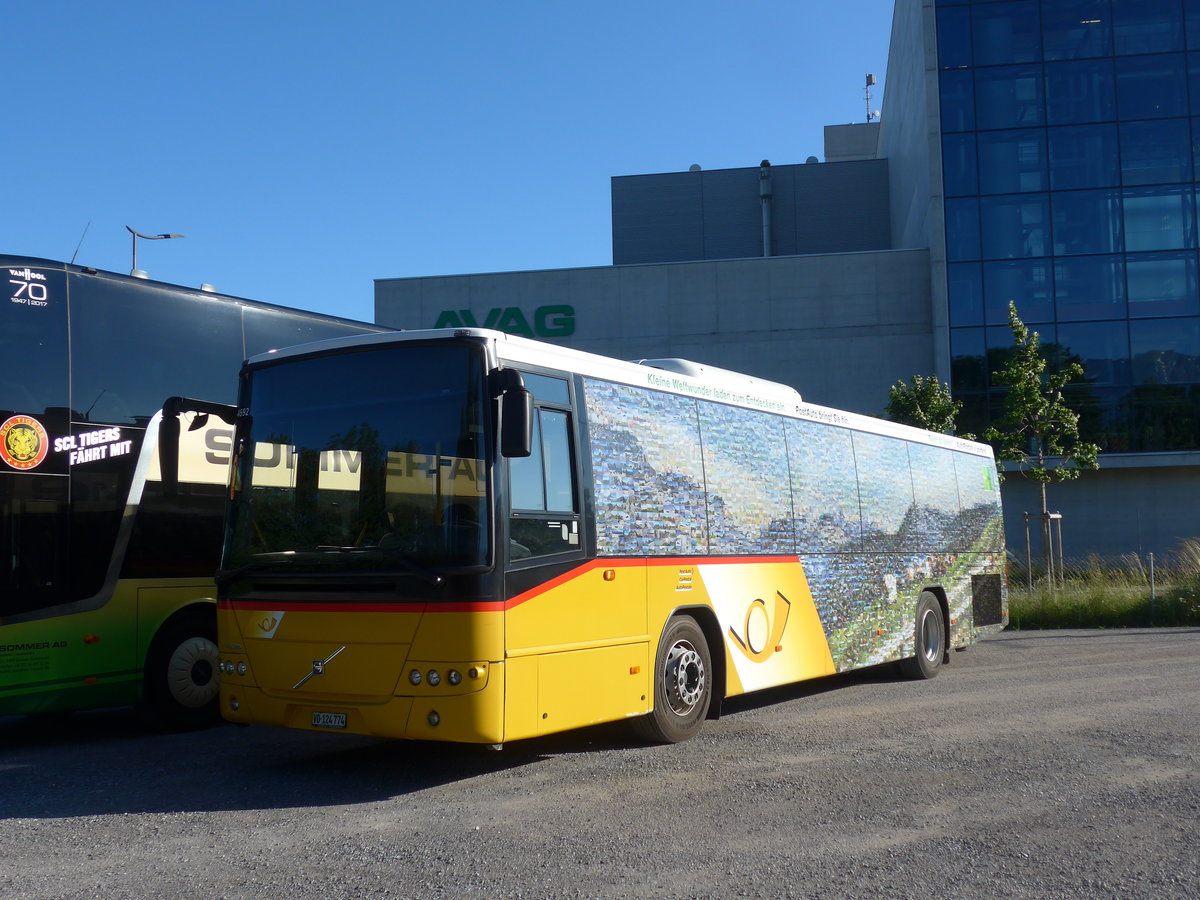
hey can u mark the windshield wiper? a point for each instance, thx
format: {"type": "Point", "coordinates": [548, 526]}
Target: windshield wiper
{"type": "Point", "coordinates": [224, 576]}
{"type": "Point", "coordinates": [407, 564]}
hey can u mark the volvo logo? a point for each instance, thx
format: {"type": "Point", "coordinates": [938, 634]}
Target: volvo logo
{"type": "Point", "coordinates": [318, 668]}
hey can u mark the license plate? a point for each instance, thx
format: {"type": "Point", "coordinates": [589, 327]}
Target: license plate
{"type": "Point", "coordinates": [328, 720]}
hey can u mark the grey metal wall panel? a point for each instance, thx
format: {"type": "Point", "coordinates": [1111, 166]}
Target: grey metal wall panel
{"type": "Point", "coordinates": [842, 207]}
{"type": "Point", "coordinates": [687, 216]}
{"type": "Point", "coordinates": [732, 214]}
{"type": "Point", "coordinates": [657, 218]}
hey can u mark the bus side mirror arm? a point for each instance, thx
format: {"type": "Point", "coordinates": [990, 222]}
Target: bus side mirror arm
{"type": "Point", "coordinates": [168, 435]}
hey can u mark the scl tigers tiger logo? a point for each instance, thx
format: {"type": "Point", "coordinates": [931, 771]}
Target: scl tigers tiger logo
{"type": "Point", "coordinates": [23, 442]}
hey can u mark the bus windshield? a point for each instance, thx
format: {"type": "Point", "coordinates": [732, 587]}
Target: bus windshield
{"type": "Point", "coordinates": [367, 461]}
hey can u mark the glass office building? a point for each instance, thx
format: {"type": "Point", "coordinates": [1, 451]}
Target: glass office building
{"type": "Point", "coordinates": [1070, 139]}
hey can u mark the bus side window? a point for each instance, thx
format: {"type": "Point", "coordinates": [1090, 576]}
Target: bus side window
{"type": "Point", "coordinates": [542, 491]}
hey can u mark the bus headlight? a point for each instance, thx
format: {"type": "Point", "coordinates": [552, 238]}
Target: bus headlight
{"type": "Point", "coordinates": [414, 677]}
{"type": "Point", "coordinates": [433, 678]}
{"type": "Point", "coordinates": [241, 668]}
{"type": "Point", "coordinates": [454, 676]}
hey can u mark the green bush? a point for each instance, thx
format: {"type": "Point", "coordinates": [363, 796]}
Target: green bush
{"type": "Point", "coordinates": [1108, 593]}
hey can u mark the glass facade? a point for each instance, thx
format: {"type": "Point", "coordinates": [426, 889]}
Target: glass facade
{"type": "Point", "coordinates": [1069, 157]}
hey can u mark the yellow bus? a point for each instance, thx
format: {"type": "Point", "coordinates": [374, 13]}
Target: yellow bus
{"type": "Point", "coordinates": [463, 535]}
{"type": "Point", "coordinates": [106, 588]}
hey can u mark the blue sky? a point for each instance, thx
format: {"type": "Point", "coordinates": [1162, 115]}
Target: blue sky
{"type": "Point", "coordinates": [306, 148]}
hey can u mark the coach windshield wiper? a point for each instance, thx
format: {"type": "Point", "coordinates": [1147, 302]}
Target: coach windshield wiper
{"type": "Point", "coordinates": [405, 563]}
{"type": "Point", "coordinates": [224, 576]}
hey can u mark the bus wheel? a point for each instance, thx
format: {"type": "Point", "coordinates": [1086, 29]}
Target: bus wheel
{"type": "Point", "coordinates": [682, 684]}
{"type": "Point", "coordinates": [929, 640]}
{"type": "Point", "coordinates": [181, 681]}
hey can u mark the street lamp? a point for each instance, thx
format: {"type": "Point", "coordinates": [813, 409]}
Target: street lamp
{"type": "Point", "coordinates": [149, 237]}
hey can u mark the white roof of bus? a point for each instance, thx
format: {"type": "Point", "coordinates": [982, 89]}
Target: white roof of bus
{"type": "Point", "coordinates": [711, 383]}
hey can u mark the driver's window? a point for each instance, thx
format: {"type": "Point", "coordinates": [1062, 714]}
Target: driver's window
{"type": "Point", "coordinates": [542, 492]}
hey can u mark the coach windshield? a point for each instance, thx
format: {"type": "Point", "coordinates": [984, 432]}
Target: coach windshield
{"type": "Point", "coordinates": [372, 460]}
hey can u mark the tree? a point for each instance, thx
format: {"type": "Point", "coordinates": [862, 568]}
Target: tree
{"type": "Point", "coordinates": [923, 402]}
{"type": "Point", "coordinates": [1038, 432]}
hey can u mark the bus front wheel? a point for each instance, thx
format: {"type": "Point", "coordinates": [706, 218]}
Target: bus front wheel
{"type": "Point", "coordinates": [929, 640]}
{"type": "Point", "coordinates": [181, 682]}
{"type": "Point", "coordinates": [683, 684]}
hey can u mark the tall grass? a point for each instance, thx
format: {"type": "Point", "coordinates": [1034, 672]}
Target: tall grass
{"type": "Point", "coordinates": [1111, 593]}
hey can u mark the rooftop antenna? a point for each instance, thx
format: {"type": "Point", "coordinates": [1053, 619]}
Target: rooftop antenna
{"type": "Point", "coordinates": [80, 244]}
{"type": "Point", "coordinates": [871, 114]}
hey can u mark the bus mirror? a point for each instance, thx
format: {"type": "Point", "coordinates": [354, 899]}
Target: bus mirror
{"type": "Point", "coordinates": [168, 453]}
{"type": "Point", "coordinates": [168, 434]}
{"type": "Point", "coordinates": [516, 423]}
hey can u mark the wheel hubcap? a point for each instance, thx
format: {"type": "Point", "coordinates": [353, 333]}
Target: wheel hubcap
{"type": "Point", "coordinates": [685, 678]}
{"type": "Point", "coordinates": [931, 636]}
{"type": "Point", "coordinates": [191, 673]}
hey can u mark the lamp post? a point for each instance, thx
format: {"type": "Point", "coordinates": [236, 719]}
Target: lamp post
{"type": "Point", "coordinates": [149, 237]}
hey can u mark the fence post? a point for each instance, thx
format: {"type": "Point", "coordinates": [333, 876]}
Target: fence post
{"type": "Point", "coordinates": [1152, 596]}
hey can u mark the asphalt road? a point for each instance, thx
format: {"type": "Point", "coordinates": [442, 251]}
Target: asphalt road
{"type": "Point", "coordinates": [1039, 764]}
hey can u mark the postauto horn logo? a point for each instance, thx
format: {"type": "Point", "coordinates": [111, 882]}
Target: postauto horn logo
{"type": "Point", "coordinates": [23, 442]}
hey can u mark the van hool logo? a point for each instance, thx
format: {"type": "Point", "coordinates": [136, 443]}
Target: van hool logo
{"type": "Point", "coordinates": [23, 442]}
{"type": "Point", "coordinates": [763, 631]}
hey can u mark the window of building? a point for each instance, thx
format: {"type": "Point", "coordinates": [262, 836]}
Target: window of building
{"type": "Point", "coordinates": [1009, 97]}
{"type": "Point", "coordinates": [1087, 222]}
{"type": "Point", "coordinates": [1165, 351]}
{"type": "Point", "coordinates": [1102, 348]}
{"type": "Point", "coordinates": [1080, 92]}
{"type": "Point", "coordinates": [1083, 156]}
{"type": "Point", "coordinates": [1026, 282]}
{"type": "Point", "coordinates": [1004, 33]}
{"type": "Point", "coordinates": [1076, 29]}
{"type": "Point", "coordinates": [954, 37]}
{"type": "Point", "coordinates": [959, 170]}
{"type": "Point", "coordinates": [1013, 227]}
{"type": "Point", "coordinates": [1147, 26]}
{"type": "Point", "coordinates": [1191, 23]}
{"type": "Point", "coordinates": [1152, 87]}
{"type": "Point", "coordinates": [965, 282]}
{"type": "Point", "coordinates": [1164, 417]}
{"type": "Point", "coordinates": [967, 355]}
{"type": "Point", "coordinates": [1162, 284]}
{"type": "Point", "coordinates": [1012, 162]}
{"type": "Point", "coordinates": [1089, 287]}
{"type": "Point", "coordinates": [962, 229]}
{"type": "Point", "coordinates": [1156, 151]}
{"type": "Point", "coordinates": [957, 90]}
{"type": "Point", "coordinates": [1193, 67]}
{"type": "Point", "coordinates": [1159, 219]}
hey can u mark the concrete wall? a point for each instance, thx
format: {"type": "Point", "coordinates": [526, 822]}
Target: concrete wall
{"type": "Point", "coordinates": [1132, 504]}
{"type": "Point", "coordinates": [910, 139]}
{"type": "Point", "coordinates": [848, 142]}
{"type": "Point", "coordinates": [840, 328]}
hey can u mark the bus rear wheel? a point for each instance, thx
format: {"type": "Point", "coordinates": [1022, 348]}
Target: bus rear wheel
{"type": "Point", "coordinates": [929, 640]}
{"type": "Point", "coordinates": [683, 684]}
{"type": "Point", "coordinates": [181, 681]}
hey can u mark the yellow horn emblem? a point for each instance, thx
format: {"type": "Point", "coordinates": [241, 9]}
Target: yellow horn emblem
{"type": "Point", "coordinates": [762, 632]}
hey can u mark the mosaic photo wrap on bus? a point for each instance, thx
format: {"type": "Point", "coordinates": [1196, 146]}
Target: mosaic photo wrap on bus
{"type": "Point", "coordinates": [873, 519]}
{"type": "Point", "coordinates": [649, 478]}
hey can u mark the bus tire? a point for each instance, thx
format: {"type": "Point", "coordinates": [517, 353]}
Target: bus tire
{"type": "Point", "coordinates": [181, 682]}
{"type": "Point", "coordinates": [683, 684]}
{"type": "Point", "coordinates": [929, 640]}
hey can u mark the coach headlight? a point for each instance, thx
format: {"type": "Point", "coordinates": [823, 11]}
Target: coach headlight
{"type": "Point", "coordinates": [414, 677]}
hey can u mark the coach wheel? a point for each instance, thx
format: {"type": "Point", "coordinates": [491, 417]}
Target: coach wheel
{"type": "Point", "coordinates": [929, 640]}
{"type": "Point", "coordinates": [181, 681]}
{"type": "Point", "coordinates": [682, 684]}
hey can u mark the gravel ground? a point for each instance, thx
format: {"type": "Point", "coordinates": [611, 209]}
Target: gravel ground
{"type": "Point", "coordinates": [1039, 764]}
